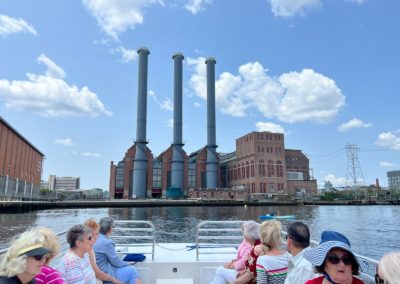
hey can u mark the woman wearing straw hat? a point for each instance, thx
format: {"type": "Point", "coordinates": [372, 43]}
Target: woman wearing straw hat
{"type": "Point", "coordinates": [23, 260]}
{"type": "Point", "coordinates": [334, 259]}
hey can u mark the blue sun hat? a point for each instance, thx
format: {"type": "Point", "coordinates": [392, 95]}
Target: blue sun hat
{"type": "Point", "coordinates": [330, 240]}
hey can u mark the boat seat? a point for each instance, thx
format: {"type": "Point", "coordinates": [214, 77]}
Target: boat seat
{"type": "Point", "coordinates": [175, 281]}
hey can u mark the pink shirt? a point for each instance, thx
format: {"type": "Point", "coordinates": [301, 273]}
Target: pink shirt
{"type": "Point", "coordinates": [244, 250]}
{"type": "Point", "coordinates": [48, 275]}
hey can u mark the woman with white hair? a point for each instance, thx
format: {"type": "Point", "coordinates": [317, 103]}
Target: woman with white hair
{"type": "Point", "coordinates": [389, 269]}
{"type": "Point", "coordinates": [24, 259]}
{"type": "Point", "coordinates": [251, 236]}
{"type": "Point", "coordinates": [272, 267]}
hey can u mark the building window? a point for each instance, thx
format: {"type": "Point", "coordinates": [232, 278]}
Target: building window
{"type": "Point", "coordinates": [239, 176]}
{"type": "Point", "coordinates": [157, 171]}
{"type": "Point", "coordinates": [243, 171]}
{"type": "Point", "coordinates": [192, 175]}
{"type": "Point", "coordinates": [247, 170]}
{"type": "Point", "coordinates": [270, 168]}
{"type": "Point", "coordinates": [252, 168]}
{"type": "Point", "coordinates": [279, 169]}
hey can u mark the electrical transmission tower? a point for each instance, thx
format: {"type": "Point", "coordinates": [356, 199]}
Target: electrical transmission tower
{"type": "Point", "coordinates": [354, 175]}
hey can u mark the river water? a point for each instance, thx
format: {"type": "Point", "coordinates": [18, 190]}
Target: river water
{"type": "Point", "coordinates": [372, 230]}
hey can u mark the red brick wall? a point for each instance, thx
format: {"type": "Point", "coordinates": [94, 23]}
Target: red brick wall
{"type": "Point", "coordinates": [19, 159]}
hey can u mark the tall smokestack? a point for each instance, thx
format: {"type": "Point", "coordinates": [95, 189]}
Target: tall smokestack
{"type": "Point", "coordinates": [177, 144]}
{"type": "Point", "coordinates": [211, 164]}
{"type": "Point", "coordinates": [140, 160]}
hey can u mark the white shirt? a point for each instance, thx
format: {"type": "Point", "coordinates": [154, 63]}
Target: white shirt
{"type": "Point", "coordinates": [299, 269]}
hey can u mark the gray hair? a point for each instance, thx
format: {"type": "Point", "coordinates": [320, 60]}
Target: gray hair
{"type": "Point", "coordinates": [389, 267]}
{"type": "Point", "coordinates": [251, 230]}
{"type": "Point", "coordinates": [76, 233]}
{"type": "Point", "coordinates": [106, 224]}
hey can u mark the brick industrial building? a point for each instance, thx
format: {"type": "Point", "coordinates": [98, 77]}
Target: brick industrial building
{"type": "Point", "coordinates": [20, 162]}
{"type": "Point", "coordinates": [260, 165]}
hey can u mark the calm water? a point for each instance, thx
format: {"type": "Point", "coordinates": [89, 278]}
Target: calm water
{"type": "Point", "coordinates": [372, 230]}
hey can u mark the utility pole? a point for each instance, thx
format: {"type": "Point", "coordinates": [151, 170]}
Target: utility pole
{"type": "Point", "coordinates": [354, 175]}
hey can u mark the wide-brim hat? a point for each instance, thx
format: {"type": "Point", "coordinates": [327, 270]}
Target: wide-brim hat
{"type": "Point", "coordinates": [330, 240]}
{"type": "Point", "coordinates": [34, 250]}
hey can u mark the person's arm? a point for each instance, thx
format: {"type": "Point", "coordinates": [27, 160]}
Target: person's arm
{"type": "Point", "coordinates": [99, 273]}
{"type": "Point", "coordinates": [112, 257]}
{"type": "Point", "coordinates": [240, 263]}
{"type": "Point", "coordinates": [245, 278]}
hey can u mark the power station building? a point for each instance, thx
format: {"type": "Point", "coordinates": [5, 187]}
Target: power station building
{"type": "Point", "coordinates": [260, 165]}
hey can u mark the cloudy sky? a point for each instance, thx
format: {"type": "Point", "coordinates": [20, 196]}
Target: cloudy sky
{"type": "Point", "coordinates": [326, 73]}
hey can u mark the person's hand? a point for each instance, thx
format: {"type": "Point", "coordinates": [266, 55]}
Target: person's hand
{"type": "Point", "coordinates": [258, 250]}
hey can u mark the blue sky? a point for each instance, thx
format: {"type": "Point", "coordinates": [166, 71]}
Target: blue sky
{"type": "Point", "coordinates": [324, 72]}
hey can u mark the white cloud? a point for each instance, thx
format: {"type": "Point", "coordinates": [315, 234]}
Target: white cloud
{"type": "Point", "coordinates": [65, 142]}
{"type": "Point", "coordinates": [388, 140]}
{"type": "Point", "coordinates": [165, 104]}
{"type": "Point", "coordinates": [53, 70]}
{"type": "Point", "coordinates": [49, 95]}
{"type": "Point", "coordinates": [269, 126]}
{"type": "Point", "coordinates": [196, 104]}
{"type": "Point", "coordinates": [196, 6]}
{"type": "Point", "coordinates": [128, 55]}
{"type": "Point", "coordinates": [340, 181]}
{"type": "Point", "coordinates": [291, 97]}
{"type": "Point", "coordinates": [354, 123]}
{"type": "Point", "coordinates": [388, 164]}
{"type": "Point", "coordinates": [290, 8]}
{"type": "Point", "coordinates": [89, 154]}
{"type": "Point", "coordinates": [117, 16]}
{"type": "Point", "coordinates": [10, 25]}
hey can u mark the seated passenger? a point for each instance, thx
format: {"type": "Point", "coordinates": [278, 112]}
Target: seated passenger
{"type": "Point", "coordinates": [230, 270]}
{"type": "Point", "coordinates": [273, 265]}
{"type": "Point", "coordinates": [23, 259]}
{"type": "Point", "coordinates": [389, 269]}
{"type": "Point", "coordinates": [107, 259]}
{"type": "Point", "coordinates": [75, 265]}
{"type": "Point", "coordinates": [48, 274]}
{"type": "Point", "coordinates": [298, 240]}
{"type": "Point", "coordinates": [334, 259]}
{"type": "Point", "coordinates": [100, 275]}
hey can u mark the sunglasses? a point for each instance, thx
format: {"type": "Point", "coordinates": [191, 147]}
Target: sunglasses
{"type": "Point", "coordinates": [39, 257]}
{"type": "Point", "coordinates": [346, 259]}
{"type": "Point", "coordinates": [379, 280]}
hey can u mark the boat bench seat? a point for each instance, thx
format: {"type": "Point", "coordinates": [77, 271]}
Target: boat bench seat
{"type": "Point", "coordinates": [175, 281]}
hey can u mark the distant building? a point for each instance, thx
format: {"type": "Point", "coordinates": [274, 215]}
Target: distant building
{"type": "Point", "coordinates": [66, 183]}
{"type": "Point", "coordinates": [394, 180]}
{"type": "Point", "coordinates": [260, 167]}
{"type": "Point", "coordinates": [20, 162]}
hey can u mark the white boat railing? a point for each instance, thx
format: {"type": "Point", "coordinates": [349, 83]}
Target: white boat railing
{"type": "Point", "coordinates": [217, 234]}
{"type": "Point", "coordinates": [135, 234]}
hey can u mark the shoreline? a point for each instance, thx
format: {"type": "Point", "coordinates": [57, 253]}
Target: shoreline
{"type": "Point", "coordinates": [25, 206]}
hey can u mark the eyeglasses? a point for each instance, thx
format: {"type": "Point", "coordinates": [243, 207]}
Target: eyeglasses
{"type": "Point", "coordinates": [346, 259]}
{"type": "Point", "coordinates": [39, 257]}
{"type": "Point", "coordinates": [379, 280]}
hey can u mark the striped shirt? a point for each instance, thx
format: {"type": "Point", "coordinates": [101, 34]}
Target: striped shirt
{"type": "Point", "coordinates": [76, 270]}
{"type": "Point", "coordinates": [272, 269]}
{"type": "Point", "coordinates": [48, 275]}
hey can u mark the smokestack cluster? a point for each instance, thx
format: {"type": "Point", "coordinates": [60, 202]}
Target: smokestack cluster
{"type": "Point", "coordinates": [139, 175]}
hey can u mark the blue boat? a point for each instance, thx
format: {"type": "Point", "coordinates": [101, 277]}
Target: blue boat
{"type": "Point", "coordinates": [270, 217]}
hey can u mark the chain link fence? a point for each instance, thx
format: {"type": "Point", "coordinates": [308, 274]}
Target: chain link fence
{"type": "Point", "coordinates": [16, 189]}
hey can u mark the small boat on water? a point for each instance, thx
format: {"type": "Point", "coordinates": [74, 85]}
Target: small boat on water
{"type": "Point", "coordinates": [278, 217]}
